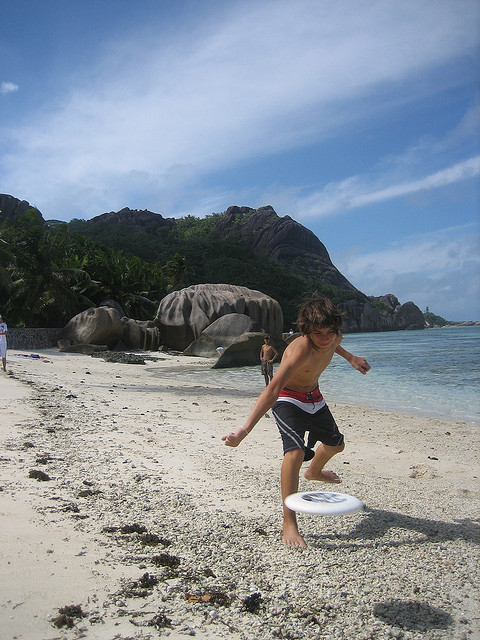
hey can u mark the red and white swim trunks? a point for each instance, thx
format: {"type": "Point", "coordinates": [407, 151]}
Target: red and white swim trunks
{"type": "Point", "coordinates": [296, 413]}
{"type": "Point", "coordinates": [310, 402]}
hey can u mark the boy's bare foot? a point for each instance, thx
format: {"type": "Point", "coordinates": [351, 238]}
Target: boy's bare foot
{"type": "Point", "coordinates": [291, 537]}
{"type": "Point", "coordinates": [323, 476]}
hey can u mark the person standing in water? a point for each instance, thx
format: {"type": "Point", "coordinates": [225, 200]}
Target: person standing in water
{"type": "Point", "coordinates": [267, 357]}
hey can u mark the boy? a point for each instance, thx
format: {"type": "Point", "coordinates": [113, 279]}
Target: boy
{"type": "Point", "coordinates": [298, 406]}
{"type": "Point", "coordinates": [267, 356]}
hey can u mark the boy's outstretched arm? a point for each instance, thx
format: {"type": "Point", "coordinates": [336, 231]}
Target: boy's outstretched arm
{"type": "Point", "coordinates": [265, 402]}
{"type": "Point", "coordinates": [268, 397]}
{"type": "Point", "coordinates": [360, 364]}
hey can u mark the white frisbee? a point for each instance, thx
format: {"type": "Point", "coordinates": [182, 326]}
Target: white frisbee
{"type": "Point", "coordinates": [324, 503]}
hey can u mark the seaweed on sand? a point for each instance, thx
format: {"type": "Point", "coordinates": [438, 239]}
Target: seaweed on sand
{"type": "Point", "coordinates": [67, 616]}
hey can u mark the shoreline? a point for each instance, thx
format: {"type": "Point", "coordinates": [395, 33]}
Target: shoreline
{"type": "Point", "coordinates": [136, 445]}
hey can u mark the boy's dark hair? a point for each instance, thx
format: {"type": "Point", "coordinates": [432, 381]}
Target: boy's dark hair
{"type": "Point", "coordinates": [321, 313]}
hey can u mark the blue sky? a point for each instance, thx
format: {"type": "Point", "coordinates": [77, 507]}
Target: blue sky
{"type": "Point", "coordinates": [359, 119]}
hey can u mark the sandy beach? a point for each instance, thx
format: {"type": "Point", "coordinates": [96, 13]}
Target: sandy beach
{"type": "Point", "coordinates": [124, 516]}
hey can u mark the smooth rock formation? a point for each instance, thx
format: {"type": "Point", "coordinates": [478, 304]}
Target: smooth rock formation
{"type": "Point", "coordinates": [290, 337]}
{"type": "Point", "coordinates": [391, 316]}
{"type": "Point", "coordinates": [106, 326]}
{"type": "Point", "coordinates": [221, 333]}
{"type": "Point", "coordinates": [140, 334]}
{"type": "Point", "coordinates": [245, 351]}
{"type": "Point", "coordinates": [97, 325]}
{"type": "Point", "coordinates": [410, 317]}
{"type": "Point", "coordinates": [183, 315]}
{"type": "Point", "coordinates": [360, 316]}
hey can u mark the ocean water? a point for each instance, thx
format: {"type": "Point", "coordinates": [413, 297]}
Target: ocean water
{"type": "Point", "coordinates": [433, 373]}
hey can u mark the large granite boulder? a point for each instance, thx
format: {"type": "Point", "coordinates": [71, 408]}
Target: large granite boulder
{"type": "Point", "coordinates": [290, 337]}
{"type": "Point", "coordinates": [403, 316]}
{"type": "Point", "coordinates": [387, 315]}
{"type": "Point", "coordinates": [388, 302]}
{"type": "Point", "coordinates": [221, 333]}
{"type": "Point", "coordinates": [183, 315]}
{"type": "Point", "coordinates": [97, 325]}
{"type": "Point", "coordinates": [107, 326]}
{"type": "Point", "coordinates": [113, 304]}
{"type": "Point", "coordinates": [362, 316]}
{"type": "Point", "coordinates": [409, 316]}
{"type": "Point", "coordinates": [140, 334]}
{"type": "Point", "coordinates": [245, 351]}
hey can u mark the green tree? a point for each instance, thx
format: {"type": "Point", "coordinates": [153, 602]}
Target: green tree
{"type": "Point", "coordinates": [434, 320]}
{"type": "Point", "coordinates": [44, 288]}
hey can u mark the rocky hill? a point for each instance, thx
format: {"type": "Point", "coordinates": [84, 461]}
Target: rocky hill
{"type": "Point", "coordinates": [136, 232]}
{"type": "Point", "coordinates": [13, 209]}
{"type": "Point", "coordinates": [133, 219]}
{"type": "Point", "coordinates": [261, 231]}
{"type": "Point", "coordinates": [255, 248]}
{"type": "Point", "coordinates": [284, 241]}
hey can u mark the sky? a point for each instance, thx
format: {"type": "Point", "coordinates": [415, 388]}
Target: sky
{"type": "Point", "coordinates": [360, 119]}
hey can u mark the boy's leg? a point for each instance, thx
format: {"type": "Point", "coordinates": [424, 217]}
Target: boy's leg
{"type": "Point", "coordinates": [322, 456]}
{"type": "Point", "coordinates": [269, 376]}
{"type": "Point", "coordinates": [292, 461]}
{"type": "Point", "coordinates": [265, 374]}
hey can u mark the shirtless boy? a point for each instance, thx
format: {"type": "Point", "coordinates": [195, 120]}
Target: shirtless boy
{"type": "Point", "coordinates": [298, 406]}
{"type": "Point", "coordinates": [267, 356]}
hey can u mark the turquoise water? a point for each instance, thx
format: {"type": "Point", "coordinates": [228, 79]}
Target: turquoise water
{"type": "Point", "coordinates": [433, 373]}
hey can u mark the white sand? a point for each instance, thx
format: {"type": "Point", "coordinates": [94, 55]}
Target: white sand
{"type": "Point", "coordinates": [145, 445]}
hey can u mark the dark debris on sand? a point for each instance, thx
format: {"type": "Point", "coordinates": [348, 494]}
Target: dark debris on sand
{"type": "Point", "coordinates": [67, 616]}
{"type": "Point", "coordinates": [253, 603]}
{"type": "Point", "coordinates": [140, 588]}
{"type": "Point", "coordinates": [41, 476]}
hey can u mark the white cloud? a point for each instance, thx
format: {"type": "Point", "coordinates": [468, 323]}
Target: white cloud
{"type": "Point", "coordinates": [257, 78]}
{"type": "Point", "coordinates": [395, 176]}
{"type": "Point", "coordinates": [355, 192]}
{"type": "Point", "coordinates": [8, 87]}
{"type": "Point", "coordinates": [430, 252]}
{"type": "Point", "coordinates": [440, 270]}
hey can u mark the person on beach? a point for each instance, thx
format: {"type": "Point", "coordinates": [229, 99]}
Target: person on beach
{"type": "Point", "coordinates": [298, 406]}
{"type": "Point", "coordinates": [267, 357]}
{"type": "Point", "coordinates": [3, 343]}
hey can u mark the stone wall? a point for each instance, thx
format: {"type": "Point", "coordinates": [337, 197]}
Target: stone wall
{"type": "Point", "coordinates": [32, 338]}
